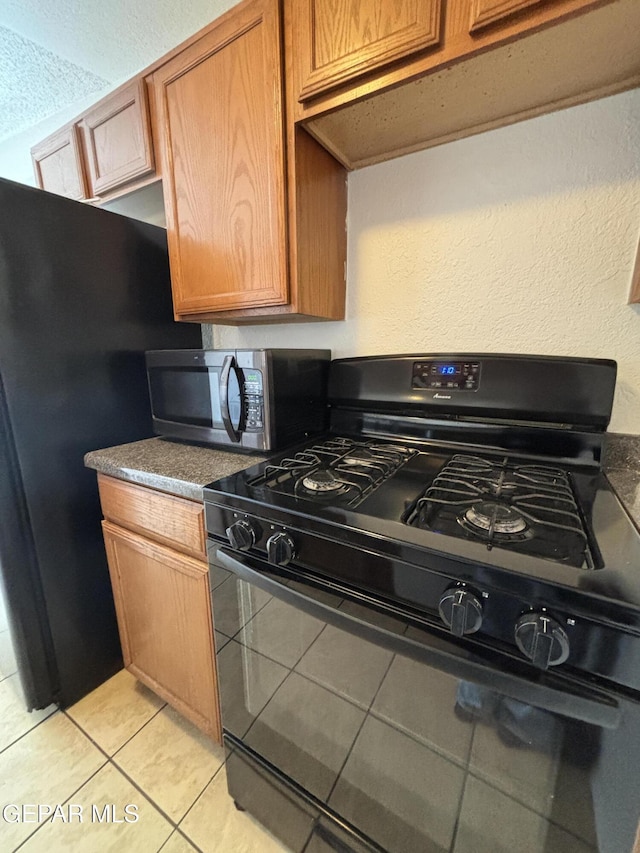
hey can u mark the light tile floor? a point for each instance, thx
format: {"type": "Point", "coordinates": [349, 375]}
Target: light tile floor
{"type": "Point", "coordinates": [118, 754]}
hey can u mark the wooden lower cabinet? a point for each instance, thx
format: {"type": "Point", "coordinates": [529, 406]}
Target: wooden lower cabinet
{"type": "Point", "coordinates": [162, 600]}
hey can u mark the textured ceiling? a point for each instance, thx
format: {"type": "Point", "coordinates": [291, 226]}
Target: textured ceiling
{"type": "Point", "coordinates": [57, 52]}
{"type": "Point", "coordinates": [35, 83]}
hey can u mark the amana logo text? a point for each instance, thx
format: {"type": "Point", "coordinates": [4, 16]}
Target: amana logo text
{"type": "Point", "coordinates": [437, 396]}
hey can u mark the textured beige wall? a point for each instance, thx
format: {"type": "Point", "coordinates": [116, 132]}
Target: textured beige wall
{"type": "Point", "coordinates": [518, 240]}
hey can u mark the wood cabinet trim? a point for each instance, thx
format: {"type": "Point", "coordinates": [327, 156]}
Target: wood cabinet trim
{"type": "Point", "coordinates": [168, 519]}
{"type": "Point", "coordinates": [634, 295]}
{"type": "Point", "coordinates": [131, 96]}
{"type": "Point", "coordinates": [201, 673]}
{"type": "Point", "coordinates": [363, 60]}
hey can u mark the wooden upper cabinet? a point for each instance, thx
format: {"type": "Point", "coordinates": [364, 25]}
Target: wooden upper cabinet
{"type": "Point", "coordinates": [58, 164]}
{"type": "Point", "coordinates": [219, 113]}
{"type": "Point", "coordinates": [487, 12]}
{"type": "Point", "coordinates": [497, 61]}
{"type": "Point", "coordinates": [341, 40]}
{"type": "Point", "coordinates": [117, 139]}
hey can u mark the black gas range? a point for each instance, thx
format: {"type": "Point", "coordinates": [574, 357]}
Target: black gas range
{"type": "Point", "coordinates": [460, 497]}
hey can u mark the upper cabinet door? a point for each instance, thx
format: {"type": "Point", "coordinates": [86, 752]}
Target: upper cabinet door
{"type": "Point", "coordinates": [486, 12]}
{"type": "Point", "coordinates": [117, 139]}
{"type": "Point", "coordinates": [219, 109]}
{"type": "Point", "coordinates": [57, 162]}
{"type": "Point", "coordinates": [343, 39]}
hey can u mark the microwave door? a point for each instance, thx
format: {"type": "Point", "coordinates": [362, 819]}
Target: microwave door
{"type": "Point", "coordinates": [230, 396]}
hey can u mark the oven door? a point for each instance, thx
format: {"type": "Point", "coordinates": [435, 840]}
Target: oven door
{"type": "Point", "coordinates": [408, 738]}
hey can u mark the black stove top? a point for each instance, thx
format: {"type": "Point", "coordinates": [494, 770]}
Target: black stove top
{"type": "Point", "coordinates": [520, 505]}
{"type": "Point", "coordinates": [407, 507]}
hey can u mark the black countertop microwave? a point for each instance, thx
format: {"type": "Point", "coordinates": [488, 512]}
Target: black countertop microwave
{"type": "Point", "coordinates": [256, 400]}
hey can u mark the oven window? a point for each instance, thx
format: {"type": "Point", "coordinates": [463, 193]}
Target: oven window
{"type": "Point", "coordinates": [412, 757]}
{"type": "Point", "coordinates": [189, 395]}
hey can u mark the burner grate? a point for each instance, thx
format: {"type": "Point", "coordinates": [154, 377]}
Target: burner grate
{"type": "Point", "coordinates": [339, 470]}
{"type": "Point", "coordinates": [503, 504]}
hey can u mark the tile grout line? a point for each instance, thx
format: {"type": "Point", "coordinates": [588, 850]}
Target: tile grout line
{"type": "Point", "coordinates": [110, 760]}
{"type": "Point", "coordinates": [122, 745]}
{"type": "Point", "coordinates": [182, 834]}
{"type": "Point", "coordinates": [8, 675]}
{"type": "Point", "coordinates": [193, 804]}
{"type": "Point", "coordinates": [72, 794]}
{"type": "Point", "coordinates": [35, 726]}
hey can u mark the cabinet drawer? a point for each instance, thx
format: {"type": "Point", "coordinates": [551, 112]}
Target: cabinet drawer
{"type": "Point", "coordinates": [173, 521]}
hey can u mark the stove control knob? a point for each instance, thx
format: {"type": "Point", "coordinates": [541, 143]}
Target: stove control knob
{"type": "Point", "coordinates": [461, 611]}
{"type": "Point", "coordinates": [241, 535]}
{"type": "Point", "coordinates": [280, 549]}
{"type": "Point", "coordinates": [542, 640]}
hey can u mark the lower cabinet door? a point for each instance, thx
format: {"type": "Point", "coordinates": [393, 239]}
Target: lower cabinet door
{"type": "Point", "coordinates": [165, 623]}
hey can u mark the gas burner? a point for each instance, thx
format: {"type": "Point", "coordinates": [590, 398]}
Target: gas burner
{"type": "Point", "coordinates": [338, 470]}
{"type": "Point", "coordinates": [491, 518]}
{"type": "Point", "coordinates": [527, 508]}
{"type": "Point", "coordinates": [322, 480]}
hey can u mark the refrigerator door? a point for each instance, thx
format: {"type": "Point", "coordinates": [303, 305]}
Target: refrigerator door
{"type": "Point", "coordinates": [22, 589]}
{"type": "Point", "coordinates": [83, 293]}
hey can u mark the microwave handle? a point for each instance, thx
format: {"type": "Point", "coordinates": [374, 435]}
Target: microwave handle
{"type": "Point", "coordinates": [228, 365]}
{"type": "Point", "coordinates": [577, 702]}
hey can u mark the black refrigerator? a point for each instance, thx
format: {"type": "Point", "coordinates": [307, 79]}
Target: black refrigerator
{"type": "Point", "coordinates": [83, 293]}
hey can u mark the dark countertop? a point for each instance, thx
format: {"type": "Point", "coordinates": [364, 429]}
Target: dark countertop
{"type": "Point", "coordinates": [183, 469]}
{"type": "Point", "coordinates": [179, 469]}
{"type": "Point", "coordinates": [622, 466]}
{"type": "Point", "coordinates": [626, 485]}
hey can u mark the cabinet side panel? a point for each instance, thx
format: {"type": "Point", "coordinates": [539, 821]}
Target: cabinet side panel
{"type": "Point", "coordinates": [320, 251]}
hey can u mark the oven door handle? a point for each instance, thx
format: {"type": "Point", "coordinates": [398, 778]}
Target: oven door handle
{"type": "Point", "coordinates": [228, 365]}
{"type": "Point", "coordinates": [550, 692]}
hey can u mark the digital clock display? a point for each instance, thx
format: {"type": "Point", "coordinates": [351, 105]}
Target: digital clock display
{"type": "Point", "coordinates": [446, 375]}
